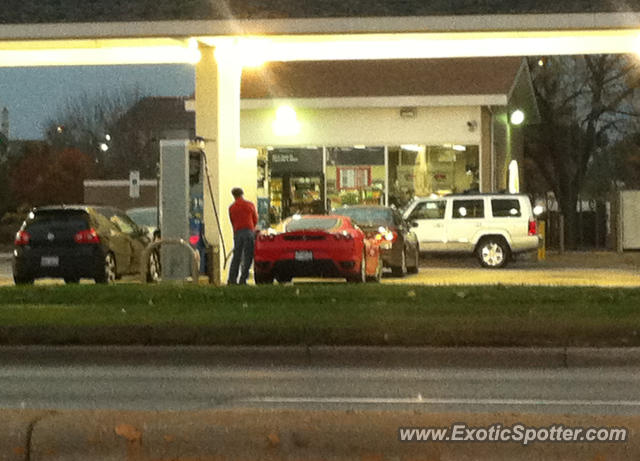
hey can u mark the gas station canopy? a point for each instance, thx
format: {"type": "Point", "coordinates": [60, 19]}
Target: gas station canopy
{"type": "Point", "coordinates": [33, 33]}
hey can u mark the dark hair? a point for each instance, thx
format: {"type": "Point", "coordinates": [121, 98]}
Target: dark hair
{"type": "Point", "coordinates": [237, 192]}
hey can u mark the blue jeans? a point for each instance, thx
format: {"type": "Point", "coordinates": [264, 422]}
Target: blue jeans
{"type": "Point", "coordinates": [243, 243]}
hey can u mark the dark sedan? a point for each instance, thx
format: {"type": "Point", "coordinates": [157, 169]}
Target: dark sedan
{"type": "Point", "coordinates": [399, 244]}
{"type": "Point", "coordinates": [78, 241]}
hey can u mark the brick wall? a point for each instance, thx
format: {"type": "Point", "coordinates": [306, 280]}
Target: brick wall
{"type": "Point", "coordinates": [116, 193]}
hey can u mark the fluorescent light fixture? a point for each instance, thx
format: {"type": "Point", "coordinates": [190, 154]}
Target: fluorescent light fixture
{"type": "Point", "coordinates": [517, 117]}
{"type": "Point", "coordinates": [359, 146]}
{"type": "Point", "coordinates": [98, 52]}
{"type": "Point", "coordinates": [459, 148]}
{"type": "Point", "coordinates": [286, 122]}
{"type": "Point", "coordinates": [430, 45]}
{"type": "Point", "coordinates": [410, 147]}
{"type": "Point", "coordinates": [253, 50]}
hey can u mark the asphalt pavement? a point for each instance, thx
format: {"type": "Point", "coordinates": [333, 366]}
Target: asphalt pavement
{"type": "Point", "coordinates": [574, 381]}
{"type": "Point", "coordinates": [593, 268]}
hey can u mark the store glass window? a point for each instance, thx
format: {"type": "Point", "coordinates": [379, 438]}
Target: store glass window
{"type": "Point", "coordinates": [423, 170]}
{"type": "Point", "coordinates": [296, 182]}
{"type": "Point", "coordinates": [355, 175]}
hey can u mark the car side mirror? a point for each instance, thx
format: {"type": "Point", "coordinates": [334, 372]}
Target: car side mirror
{"type": "Point", "coordinates": [413, 223]}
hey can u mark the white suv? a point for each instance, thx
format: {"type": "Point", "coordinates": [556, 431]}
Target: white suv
{"type": "Point", "coordinates": [491, 226]}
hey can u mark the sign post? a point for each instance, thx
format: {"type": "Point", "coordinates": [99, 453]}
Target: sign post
{"type": "Point", "coordinates": [134, 184]}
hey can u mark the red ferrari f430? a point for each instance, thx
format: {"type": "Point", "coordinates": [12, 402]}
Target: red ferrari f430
{"type": "Point", "coordinates": [317, 246]}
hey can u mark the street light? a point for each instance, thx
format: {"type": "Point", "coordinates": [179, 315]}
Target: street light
{"type": "Point", "coordinates": [101, 145]}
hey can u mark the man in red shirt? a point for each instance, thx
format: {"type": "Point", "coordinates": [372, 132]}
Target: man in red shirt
{"type": "Point", "coordinates": [244, 218]}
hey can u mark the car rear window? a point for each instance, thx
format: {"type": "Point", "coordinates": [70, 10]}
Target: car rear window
{"type": "Point", "coordinates": [367, 216]}
{"type": "Point", "coordinates": [505, 208]}
{"type": "Point", "coordinates": [73, 219]}
{"type": "Point", "coordinates": [312, 224]}
{"type": "Point", "coordinates": [468, 209]}
{"type": "Point", "coordinates": [144, 216]}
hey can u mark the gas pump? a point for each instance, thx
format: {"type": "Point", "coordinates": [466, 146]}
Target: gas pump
{"type": "Point", "coordinates": [196, 204]}
{"type": "Point", "coordinates": [182, 176]}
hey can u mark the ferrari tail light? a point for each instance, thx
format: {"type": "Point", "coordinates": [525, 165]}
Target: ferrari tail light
{"type": "Point", "coordinates": [533, 227]}
{"type": "Point", "coordinates": [266, 238]}
{"type": "Point", "coordinates": [343, 236]}
{"type": "Point", "coordinates": [22, 238]}
{"type": "Point", "coordinates": [87, 236]}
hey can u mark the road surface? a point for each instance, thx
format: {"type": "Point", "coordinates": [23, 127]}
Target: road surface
{"type": "Point", "coordinates": [137, 378]}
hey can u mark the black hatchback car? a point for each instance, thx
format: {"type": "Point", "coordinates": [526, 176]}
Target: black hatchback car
{"type": "Point", "coordinates": [78, 241]}
{"type": "Point", "coordinates": [398, 243]}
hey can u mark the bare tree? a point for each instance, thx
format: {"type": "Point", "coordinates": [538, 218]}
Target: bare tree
{"type": "Point", "coordinates": [585, 102]}
{"type": "Point", "coordinates": [89, 123]}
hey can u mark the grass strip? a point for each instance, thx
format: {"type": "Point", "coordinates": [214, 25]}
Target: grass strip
{"type": "Point", "coordinates": [331, 314]}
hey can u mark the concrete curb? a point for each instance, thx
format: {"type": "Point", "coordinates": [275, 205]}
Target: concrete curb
{"type": "Point", "coordinates": [257, 434]}
{"type": "Point", "coordinates": [6, 256]}
{"type": "Point", "coordinates": [16, 428]}
{"type": "Point", "coordinates": [355, 356]}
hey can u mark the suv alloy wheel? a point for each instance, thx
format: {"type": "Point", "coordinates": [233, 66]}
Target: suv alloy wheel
{"type": "Point", "coordinates": [493, 252]}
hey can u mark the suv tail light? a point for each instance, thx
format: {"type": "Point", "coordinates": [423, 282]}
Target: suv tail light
{"type": "Point", "coordinates": [87, 236]}
{"type": "Point", "coordinates": [194, 239]}
{"type": "Point", "coordinates": [22, 238]}
{"type": "Point", "coordinates": [533, 227]}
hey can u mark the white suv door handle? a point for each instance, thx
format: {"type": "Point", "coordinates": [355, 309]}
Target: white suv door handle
{"type": "Point", "coordinates": [438, 225]}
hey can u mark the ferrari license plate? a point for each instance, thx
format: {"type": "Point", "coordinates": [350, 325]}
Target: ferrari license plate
{"type": "Point", "coordinates": [304, 256]}
{"type": "Point", "coordinates": [49, 261]}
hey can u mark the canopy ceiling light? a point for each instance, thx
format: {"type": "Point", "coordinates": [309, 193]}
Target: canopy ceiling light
{"type": "Point", "coordinates": [286, 122]}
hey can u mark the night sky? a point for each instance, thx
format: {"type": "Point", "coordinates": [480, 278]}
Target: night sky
{"type": "Point", "coordinates": [37, 94]}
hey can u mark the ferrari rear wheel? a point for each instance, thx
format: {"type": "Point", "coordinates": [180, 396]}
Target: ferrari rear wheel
{"type": "Point", "coordinates": [283, 278]}
{"type": "Point", "coordinates": [262, 278]}
{"type": "Point", "coordinates": [361, 276]}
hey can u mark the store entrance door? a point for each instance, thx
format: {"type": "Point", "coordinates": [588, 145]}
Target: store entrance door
{"type": "Point", "coordinates": [296, 182]}
{"type": "Point", "coordinates": [300, 193]}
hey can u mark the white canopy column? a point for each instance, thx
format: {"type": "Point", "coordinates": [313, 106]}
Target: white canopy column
{"type": "Point", "coordinates": [217, 100]}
